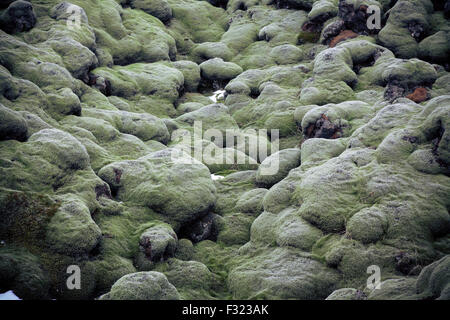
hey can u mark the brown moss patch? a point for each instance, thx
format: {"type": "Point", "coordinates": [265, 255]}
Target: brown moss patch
{"type": "Point", "coordinates": [25, 216]}
{"type": "Point", "coordinates": [419, 95]}
{"type": "Point", "coordinates": [344, 35]}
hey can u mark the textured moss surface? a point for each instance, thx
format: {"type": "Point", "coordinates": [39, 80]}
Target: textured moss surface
{"type": "Point", "coordinates": [99, 138]}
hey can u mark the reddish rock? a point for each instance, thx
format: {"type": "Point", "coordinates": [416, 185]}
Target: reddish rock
{"type": "Point", "coordinates": [323, 128]}
{"type": "Point", "coordinates": [419, 95]}
{"type": "Point", "coordinates": [344, 35]}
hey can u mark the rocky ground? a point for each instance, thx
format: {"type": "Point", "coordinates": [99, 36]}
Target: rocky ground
{"type": "Point", "coordinates": [94, 109]}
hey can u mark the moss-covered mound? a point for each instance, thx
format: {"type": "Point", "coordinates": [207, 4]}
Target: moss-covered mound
{"type": "Point", "coordinates": [241, 149]}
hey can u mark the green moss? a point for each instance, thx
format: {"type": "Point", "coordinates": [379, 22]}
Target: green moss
{"type": "Point", "coordinates": [323, 8]}
{"type": "Point", "coordinates": [251, 201]}
{"type": "Point", "coordinates": [323, 91]}
{"type": "Point", "coordinates": [191, 278]}
{"type": "Point", "coordinates": [150, 79]}
{"type": "Point", "coordinates": [283, 122]}
{"type": "Point", "coordinates": [143, 286]}
{"type": "Point", "coordinates": [210, 50]}
{"type": "Point", "coordinates": [189, 18]}
{"type": "Point", "coordinates": [22, 272]}
{"type": "Point", "coordinates": [64, 102]}
{"type": "Point", "coordinates": [435, 48]}
{"type": "Point", "coordinates": [277, 166]}
{"type": "Point", "coordinates": [353, 201]}
{"type": "Point", "coordinates": [255, 56]}
{"type": "Point", "coordinates": [396, 35]}
{"type": "Point", "coordinates": [191, 73]}
{"type": "Point", "coordinates": [346, 294]}
{"type": "Point", "coordinates": [230, 188]}
{"type": "Point", "coordinates": [213, 116]}
{"type": "Point", "coordinates": [395, 289]}
{"type": "Point", "coordinates": [137, 182]}
{"type": "Point", "coordinates": [219, 259]}
{"type": "Point", "coordinates": [185, 250]}
{"type": "Point", "coordinates": [240, 35]}
{"type": "Point", "coordinates": [307, 36]}
{"type": "Point", "coordinates": [292, 275]}
{"type": "Point", "coordinates": [219, 70]}
{"type": "Point", "coordinates": [157, 8]}
{"type": "Point", "coordinates": [236, 229]}
{"type": "Point", "coordinates": [13, 125]}
{"type": "Point", "coordinates": [25, 216]}
{"type": "Point", "coordinates": [433, 281]}
{"type": "Point", "coordinates": [71, 230]}
{"type": "Point", "coordinates": [285, 229]}
{"type": "Point", "coordinates": [317, 149]}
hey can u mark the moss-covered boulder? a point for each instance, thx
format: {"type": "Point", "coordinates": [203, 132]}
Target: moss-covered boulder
{"type": "Point", "coordinates": [22, 272]}
{"type": "Point", "coordinates": [155, 79]}
{"type": "Point", "coordinates": [148, 285]}
{"type": "Point", "coordinates": [347, 294]}
{"type": "Point", "coordinates": [77, 58]}
{"type": "Point", "coordinates": [60, 148]}
{"type": "Point", "coordinates": [395, 289]}
{"type": "Point", "coordinates": [219, 70]}
{"type": "Point", "coordinates": [282, 274]}
{"type": "Point", "coordinates": [158, 8]}
{"type": "Point", "coordinates": [286, 54]}
{"type": "Point", "coordinates": [142, 125]}
{"type": "Point", "coordinates": [187, 15]}
{"type": "Point", "coordinates": [231, 188]}
{"type": "Point", "coordinates": [213, 116]}
{"type": "Point", "coordinates": [163, 181]}
{"type": "Point", "coordinates": [12, 125]}
{"type": "Point", "coordinates": [322, 91]}
{"type": "Point", "coordinates": [109, 269]}
{"type": "Point", "coordinates": [407, 24]}
{"type": "Point", "coordinates": [63, 11]}
{"type": "Point", "coordinates": [185, 250]}
{"type": "Point", "coordinates": [71, 230]}
{"type": "Point", "coordinates": [251, 201]}
{"type": "Point", "coordinates": [319, 149]}
{"type": "Point", "coordinates": [436, 47]}
{"type": "Point", "coordinates": [191, 73]}
{"type": "Point", "coordinates": [275, 167]}
{"type": "Point", "coordinates": [368, 225]}
{"type": "Point", "coordinates": [188, 107]}
{"type": "Point", "coordinates": [64, 102]}
{"type": "Point", "coordinates": [210, 50]}
{"type": "Point", "coordinates": [156, 244]}
{"type": "Point", "coordinates": [192, 279]}
{"type": "Point", "coordinates": [47, 75]}
{"type": "Point", "coordinates": [433, 281]}
{"type": "Point", "coordinates": [211, 150]}
{"type": "Point", "coordinates": [235, 229]}
{"type": "Point", "coordinates": [286, 228]}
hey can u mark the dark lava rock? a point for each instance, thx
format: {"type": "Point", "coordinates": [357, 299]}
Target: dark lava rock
{"type": "Point", "coordinates": [12, 125]}
{"type": "Point", "coordinates": [393, 92]}
{"type": "Point", "coordinates": [18, 17]}
{"type": "Point", "coordinates": [332, 30]}
{"type": "Point", "coordinates": [323, 128]}
{"type": "Point", "coordinates": [206, 228]}
{"type": "Point", "coordinates": [354, 18]}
